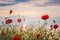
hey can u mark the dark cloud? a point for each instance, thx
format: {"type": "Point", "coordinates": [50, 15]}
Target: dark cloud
{"type": "Point", "coordinates": [7, 2]}
{"type": "Point", "coordinates": [52, 2]}
{"type": "Point", "coordinates": [22, 0]}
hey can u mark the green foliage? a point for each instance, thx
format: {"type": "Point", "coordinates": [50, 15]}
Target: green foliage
{"type": "Point", "coordinates": [28, 34]}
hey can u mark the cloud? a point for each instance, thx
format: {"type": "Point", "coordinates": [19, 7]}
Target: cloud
{"type": "Point", "coordinates": [35, 2]}
{"type": "Point", "coordinates": [22, 0]}
{"type": "Point", "coordinates": [53, 2]}
{"type": "Point", "coordinates": [11, 2]}
{"type": "Point", "coordinates": [48, 3]}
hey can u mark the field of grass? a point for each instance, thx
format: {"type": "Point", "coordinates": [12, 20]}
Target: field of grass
{"type": "Point", "coordinates": [29, 33]}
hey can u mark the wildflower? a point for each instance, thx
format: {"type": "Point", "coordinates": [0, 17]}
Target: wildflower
{"type": "Point", "coordinates": [56, 26]}
{"type": "Point", "coordinates": [8, 21]}
{"type": "Point", "coordinates": [51, 26]}
{"type": "Point", "coordinates": [16, 38]}
{"type": "Point", "coordinates": [19, 20]}
{"type": "Point", "coordinates": [11, 11]}
{"type": "Point", "coordinates": [45, 17]}
{"type": "Point", "coordinates": [38, 35]}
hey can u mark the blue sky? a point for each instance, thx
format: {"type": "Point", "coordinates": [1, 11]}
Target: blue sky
{"type": "Point", "coordinates": [30, 21]}
{"type": "Point", "coordinates": [12, 2]}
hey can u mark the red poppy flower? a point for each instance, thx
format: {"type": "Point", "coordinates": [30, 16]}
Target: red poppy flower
{"type": "Point", "coordinates": [16, 38]}
{"type": "Point", "coordinates": [56, 26]}
{"type": "Point", "coordinates": [38, 35]}
{"type": "Point", "coordinates": [45, 17]}
{"type": "Point", "coordinates": [8, 21]}
{"type": "Point", "coordinates": [11, 11]}
{"type": "Point", "coordinates": [51, 25]}
{"type": "Point", "coordinates": [19, 20]}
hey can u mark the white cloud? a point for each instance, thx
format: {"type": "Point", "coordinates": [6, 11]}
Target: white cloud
{"type": "Point", "coordinates": [28, 9]}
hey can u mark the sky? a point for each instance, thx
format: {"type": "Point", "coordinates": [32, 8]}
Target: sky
{"type": "Point", "coordinates": [40, 2]}
{"type": "Point", "coordinates": [35, 21]}
{"type": "Point", "coordinates": [30, 8]}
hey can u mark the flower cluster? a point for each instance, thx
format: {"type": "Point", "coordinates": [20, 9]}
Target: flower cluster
{"type": "Point", "coordinates": [30, 32]}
